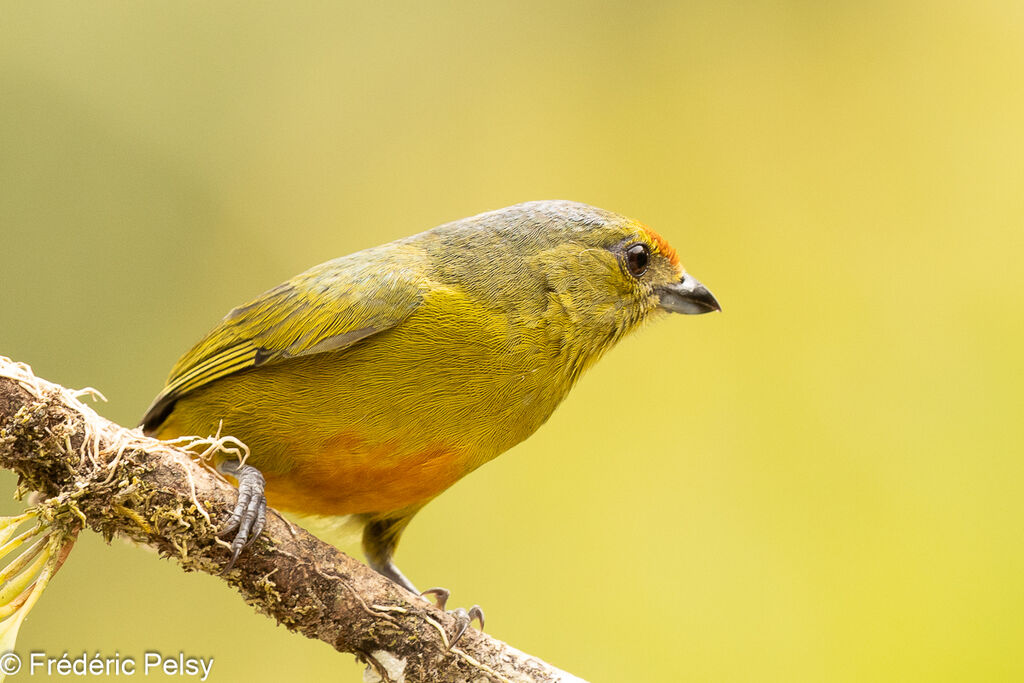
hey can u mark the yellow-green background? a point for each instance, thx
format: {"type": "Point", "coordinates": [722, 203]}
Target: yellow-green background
{"type": "Point", "coordinates": [824, 483]}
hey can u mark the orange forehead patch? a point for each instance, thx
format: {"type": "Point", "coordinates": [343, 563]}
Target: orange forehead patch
{"type": "Point", "coordinates": [664, 248]}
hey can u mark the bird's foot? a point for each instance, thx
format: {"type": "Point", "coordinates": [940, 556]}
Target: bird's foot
{"type": "Point", "coordinates": [463, 618]}
{"type": "Point", "coordinates": [250, 513]}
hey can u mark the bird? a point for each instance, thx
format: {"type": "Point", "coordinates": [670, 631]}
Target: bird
{"type": "Point", "coordinates": [367, 385]}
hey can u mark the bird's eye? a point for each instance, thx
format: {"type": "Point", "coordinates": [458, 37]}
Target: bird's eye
{"type": "Point", "coordinates": [637, 257]}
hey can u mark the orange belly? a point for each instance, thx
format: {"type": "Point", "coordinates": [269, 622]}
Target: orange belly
{"type": "Point", "coordinates": [348, 476]}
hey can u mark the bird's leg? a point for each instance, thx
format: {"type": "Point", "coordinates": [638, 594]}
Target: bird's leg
{"type": "Point", "coordinates": [380, 538]}
{"type": "Point", "coordinates": [389, 570]}
{"type": "Point", "coordinates": [250, 513]}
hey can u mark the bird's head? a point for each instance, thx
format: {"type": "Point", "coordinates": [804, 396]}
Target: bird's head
{"type": "Point", "coordinates": [588, 274]}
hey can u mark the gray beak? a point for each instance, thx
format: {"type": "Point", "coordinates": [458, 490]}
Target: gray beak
{"type": "Point", "coordinates": [687, 296]}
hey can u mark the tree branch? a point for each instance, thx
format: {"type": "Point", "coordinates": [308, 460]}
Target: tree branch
{"type": "Point", "coordinates": [95, 473]}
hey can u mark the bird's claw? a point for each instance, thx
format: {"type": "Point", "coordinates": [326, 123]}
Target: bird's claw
{"type": "Point", "coordinates": [441, 596]}
{"type": "Point", "coordinates": [250, 512]}
{"type": "Point", "coordinates": [463, 618]}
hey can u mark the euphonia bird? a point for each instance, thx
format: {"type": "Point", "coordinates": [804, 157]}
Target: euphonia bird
{"type": "Point", "coordinates": [369, 384]}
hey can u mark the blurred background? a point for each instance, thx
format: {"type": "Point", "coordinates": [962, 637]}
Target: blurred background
{"type": "Point", "coordinates": [822, 483]}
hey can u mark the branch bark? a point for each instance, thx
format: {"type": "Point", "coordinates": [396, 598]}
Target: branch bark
{"type": "Point", "coordinates": [113, 480]}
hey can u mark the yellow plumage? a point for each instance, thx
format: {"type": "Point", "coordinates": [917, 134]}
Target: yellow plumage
{"type": "Point", "coordinates": [371, 383]}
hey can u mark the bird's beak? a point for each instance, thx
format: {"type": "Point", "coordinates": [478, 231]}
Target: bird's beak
{"type": "Point", "coordinates": [687, 296]}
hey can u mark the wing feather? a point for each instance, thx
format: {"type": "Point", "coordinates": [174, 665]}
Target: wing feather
{"type": "Point", "coordinates": [325, 310]}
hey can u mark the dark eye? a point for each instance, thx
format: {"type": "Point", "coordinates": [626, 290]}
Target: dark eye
{"type": "Point", "coordinates": [637, 257]}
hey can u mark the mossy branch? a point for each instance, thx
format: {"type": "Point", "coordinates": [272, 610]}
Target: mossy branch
{"type": "Point", "coordinates": [95, 474]}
